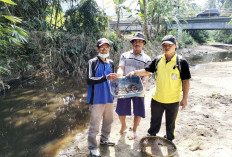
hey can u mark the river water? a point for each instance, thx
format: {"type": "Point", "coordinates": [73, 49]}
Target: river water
{"type": "Point", "coordinates": [40, 117]}
{"type": "Point", "coordinates": [208, 57]}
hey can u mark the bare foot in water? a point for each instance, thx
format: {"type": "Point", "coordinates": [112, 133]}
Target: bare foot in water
{"type": "Point", "coordinates": [123, 130]}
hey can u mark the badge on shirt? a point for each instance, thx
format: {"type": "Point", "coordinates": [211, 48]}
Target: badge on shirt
{"type": "Point", "coordinates": [174, 76]}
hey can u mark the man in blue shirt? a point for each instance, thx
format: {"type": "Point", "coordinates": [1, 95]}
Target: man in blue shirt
{"type": "Point", "coordinates": [99, 71]}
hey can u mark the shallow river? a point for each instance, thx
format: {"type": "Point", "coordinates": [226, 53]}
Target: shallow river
{"type": "Point", "coordinates": [38, 118]}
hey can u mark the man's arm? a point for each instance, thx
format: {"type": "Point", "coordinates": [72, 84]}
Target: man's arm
{"type": "Point", "coordinates": [185, 86]}
{"type": "Point", "coordinates": [140, 72]}
{"type": "Point", "coordinates": [91, 79]}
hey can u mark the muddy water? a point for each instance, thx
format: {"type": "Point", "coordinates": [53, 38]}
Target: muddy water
{"type": "Point", "coordinates": [40, 117]}
{"type": "Point", "coordinates": [208, 57]}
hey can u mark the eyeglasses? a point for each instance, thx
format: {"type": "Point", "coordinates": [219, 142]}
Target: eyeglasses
{"type": "Point", "coordinates": [104, 48]}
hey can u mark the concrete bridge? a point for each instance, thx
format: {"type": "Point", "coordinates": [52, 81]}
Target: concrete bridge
{"type": "Point", "coordinates": [197, 23]}
{"type": "Point", "coordinates": [203, 23]}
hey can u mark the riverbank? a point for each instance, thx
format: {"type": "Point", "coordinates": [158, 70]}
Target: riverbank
{"type": "Point", "coordinates": [203, 128]}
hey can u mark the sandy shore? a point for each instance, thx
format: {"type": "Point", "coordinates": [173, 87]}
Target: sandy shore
{"type": "Point", "coordinates": [203, 129]}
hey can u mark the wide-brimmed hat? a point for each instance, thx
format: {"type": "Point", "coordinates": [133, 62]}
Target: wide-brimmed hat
{"type": "Point", "coordinates": [170, 39]}
{"type": "Point", "coordinates": [102, 41]}
{"type": "Point", "coordinates": [138, 36]}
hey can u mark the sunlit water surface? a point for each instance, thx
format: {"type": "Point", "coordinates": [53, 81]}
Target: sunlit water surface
{"type": "Point", "coordinates": [208, 57]}
{"type": "Point", "coordinates": [39, 117]}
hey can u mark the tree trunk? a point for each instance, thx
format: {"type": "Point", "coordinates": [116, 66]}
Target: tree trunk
{"type": "Point", "coordinates": [53, 5]}
{"type": "Point", "coordinates": [146, 32]}
{"type": "Point", "coordinates": [118, 20]}
{"type": "Point", "coordinates": [57, 10]}
{"type": "Point", "coordinates": [158, 25]}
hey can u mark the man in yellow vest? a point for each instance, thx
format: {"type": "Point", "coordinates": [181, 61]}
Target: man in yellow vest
{"type": "Point", "coordinates": [172, 77]}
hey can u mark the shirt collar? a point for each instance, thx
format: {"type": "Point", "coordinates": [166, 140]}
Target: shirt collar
{"type": "Point", "coordinates": [173, 58]}
{"type": "Point", "coordinates": [142, 52]}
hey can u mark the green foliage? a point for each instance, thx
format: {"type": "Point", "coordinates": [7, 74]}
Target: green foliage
{"type": "Point", "coordinates": [49, 52]}
{"type": "Point", "coordinates": [162, 13]}
{"type": "Point", "coordinates": [227, 4]}
{"type": "Point", "coordinates": [33, 12]}
{"type": "Point", "coordinates": [11, 35]}
{"type": "Point", "coordinates": [117, 2]}
{"type": "Point", "coordinates": [60, 53]}
{"type": "Point", "coordinates": [186, 39]}
{"type": "Point", "coordinates": [113, 37]}
{"type": "Point", "coordinates": [119, 8]}
{"type": "Point", "coordinates": [39, 15]}
{"type": "Point", "coordinates": [212, 3]}
{"type": "Point", "coordinates": [8, 2]}
{"type": "Point", "coordinates": [220, 4]}
{"type": "Point", "coordinates": [86, 18]}
{"type": "Point", "coordinates": [200, 36]}
{"type": "Point", "coordinates": [9, 32]}
{"type": "Point", "coordinates": [3, 70]}
{"type": "Point", "coordinates": [224, 36]}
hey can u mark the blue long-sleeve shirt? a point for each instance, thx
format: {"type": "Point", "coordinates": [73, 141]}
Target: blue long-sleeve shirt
{"type": "Point", "coordinates": [98, 86]}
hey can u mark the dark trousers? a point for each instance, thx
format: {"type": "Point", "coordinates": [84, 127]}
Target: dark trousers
{"type": "Point", "coordinates": [157, 110]}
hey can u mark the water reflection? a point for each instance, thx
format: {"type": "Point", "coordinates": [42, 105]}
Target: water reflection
{"type": "Point", "coordinates": [36, 121]}
{"type": "Point", "coordinates": [209, 57]}
{"type": "Point", "coordinates": [68, 99]}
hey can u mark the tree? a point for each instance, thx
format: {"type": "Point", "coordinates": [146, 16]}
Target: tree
{"type": "Point", "coordinates": [119, 7]}
{"type": "Point", "coordinates": [159, 11]}
{"type": "Point", "coordinates": [224, 35]}
{"type": "Point", "coordinates": [161, 14]}
{"type": "Point", "coordinates": [34, 13]}
{"type": "Point", "coordinates": [201, 36]}
{"type": "Point", "coordinates": [86, 18]}
{"type": "Point", "coordinates": [10, 32]}
{"type": "Point", "coordinates": [143, 9]}
{"type": "Point", "coordinates": [212, 3]}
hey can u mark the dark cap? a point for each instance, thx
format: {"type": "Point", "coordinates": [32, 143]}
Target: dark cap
{"type": "Point", "coordinates": [102, 41]}
{"type": "Point", "coordinates": [170, 39]}
{"type": "Point", "coordinates": [138, 36]}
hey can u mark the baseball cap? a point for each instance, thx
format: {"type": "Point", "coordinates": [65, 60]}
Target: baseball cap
{"type": "Point", "coordinates": [138, 36]}
{"type": "Point", "coordinates": [170, 39]}
{"type": "Point", "coordinates": [102, 41]}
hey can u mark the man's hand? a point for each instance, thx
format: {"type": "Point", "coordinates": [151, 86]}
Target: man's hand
{"type": "Point", "coordinates": [186, 85]}
{"type": "Point", "coordinates": [183, 103]}
{"type": "Point", "coordinates": [119, 76]}
{"type": "Point", "coordinates": [112, 76]}
{"type": "Point", "coordinates": [131, 74]}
